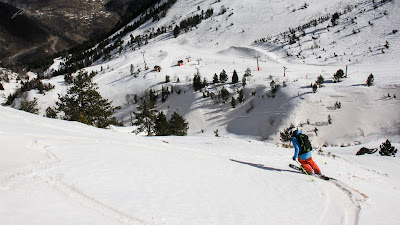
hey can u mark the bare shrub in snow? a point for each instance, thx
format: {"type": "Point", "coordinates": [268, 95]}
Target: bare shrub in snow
{"type": "Point", "coordinates": [285, 136]}
{"type": "Point", "coordinates": [29, 106]}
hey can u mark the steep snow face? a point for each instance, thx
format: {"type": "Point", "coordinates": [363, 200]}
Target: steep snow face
{"type": "Point", "coordinates": [238, 23]}
{"type": "Point", "coordinates": [363, 32]}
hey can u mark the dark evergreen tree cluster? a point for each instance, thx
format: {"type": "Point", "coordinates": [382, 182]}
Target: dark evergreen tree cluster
{"type": "Point", "coordinates": [192, 21]}
{"type": "Point", "coordinates": [334, 19]}
{"type": "Point", "coordinates": [164, 93]}
{"type": "Point", "coordinates": [199, 84]}
{"type": "Point", "coordinates": [386, 149]}
{"type": "Point", "coordinates": [223, 95]}
{"type": "Point", "coordinates": [152, 122]}
{"type": "Point", "coordinates": [290, 35]}
{"type": "Point", "coordinates": [83, 103]}
{"type": "Point", "coordinates": [27, 86]}
{"type": "Point", "coordinates": [92, 50]}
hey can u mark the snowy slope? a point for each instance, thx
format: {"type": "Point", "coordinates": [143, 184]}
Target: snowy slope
{"type": "Point", "coordinates": [69, 173]}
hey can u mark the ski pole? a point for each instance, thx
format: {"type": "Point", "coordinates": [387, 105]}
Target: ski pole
{"type": "Point", "coordinates": [319, 158]}
{"type": "Point", "coordinates": [304, 170]}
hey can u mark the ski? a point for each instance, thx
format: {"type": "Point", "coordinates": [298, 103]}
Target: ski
{"type": "Point", "coordinates": [323, 177]}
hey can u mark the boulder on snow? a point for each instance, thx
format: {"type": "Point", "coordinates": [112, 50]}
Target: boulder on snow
{"type": "Point", "coordinates": [365, 150]}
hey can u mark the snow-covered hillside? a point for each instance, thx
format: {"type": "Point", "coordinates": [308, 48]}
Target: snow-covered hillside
{"type": "Point", "coordinates": [230, 41]}
{"type": "Point", "coordinates": [59, 172]}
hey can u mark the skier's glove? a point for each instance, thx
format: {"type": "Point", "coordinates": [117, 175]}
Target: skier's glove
{"type": "Point", "coordinates": [294, 158]}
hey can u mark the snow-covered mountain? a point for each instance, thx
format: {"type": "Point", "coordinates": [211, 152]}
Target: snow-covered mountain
{"type": "Point", "coordinates": [233, 38]}
{"type": "Point", "coordinates": [113, 176]}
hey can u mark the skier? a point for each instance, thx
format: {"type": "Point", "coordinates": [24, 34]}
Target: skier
{"type": "Point", "coordinates": [303, 152]}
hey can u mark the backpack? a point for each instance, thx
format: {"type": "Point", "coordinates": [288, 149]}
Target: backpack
{"type": "Point", "coordinates": [305, 144]}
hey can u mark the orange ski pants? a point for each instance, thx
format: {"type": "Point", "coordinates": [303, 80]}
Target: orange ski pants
{"type": "Point", "coordinates": [309, 165]}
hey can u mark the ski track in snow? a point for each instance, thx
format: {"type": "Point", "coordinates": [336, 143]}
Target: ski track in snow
{"type": "Point", "coordinates": [343, 204]}
{"type": "Point", "coordinates": [39, 173]}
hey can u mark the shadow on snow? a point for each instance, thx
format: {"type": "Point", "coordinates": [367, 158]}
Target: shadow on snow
{"type": "Point", "coordinates": [261, 166]}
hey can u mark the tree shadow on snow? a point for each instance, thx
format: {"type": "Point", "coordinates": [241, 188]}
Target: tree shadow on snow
{"type": "Point", "coordinates": [261, 166]}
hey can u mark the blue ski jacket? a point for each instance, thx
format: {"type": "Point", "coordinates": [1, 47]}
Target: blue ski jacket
{"type": "Point", "coordinates": [296, 145]}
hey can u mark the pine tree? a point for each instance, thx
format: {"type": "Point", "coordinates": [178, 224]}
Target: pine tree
{"type": "Point", "coordinates": [274, 87]}
{"type": "Point", "coordinates": [233, 102]}
{"type": "Point", "coordinates": [197, 84]}
{"type": "Point", "coordinates": [83, 103]}
{"type": "Point", "coordinates": [152, 97]}
{"type": "Point", "coordinates": [51, 113]}
{"type": "Point", "coordinates": [320, 80]}
{"type": "Point", "coordinates": [177, 30]}
{"type": "Point", "coordinates": [209, 13]}
{"type": "Point", "coordinates": [177, 125]}
{"type": "Point", "coordinates": [334, 19]}
{"type": "Point", "coordinates": [29, 106]}
{"type": "Point", "coordinates": [235, 77]}
{"type": "Point", "coordinates": [164, 93]}
{"type": "Point", "coordinates": [244, 81]}
{"type": "Point", "coordinates": [223, 77]}
{"type": "Point", "coordinates": [338, 75]}
{"type": "Point", "coordinates": [161, 127]}
{"type": "Point", "coordinates": [386, 149]}
{"type": "Point", "coordinates": [314, 87]}
{"type": "Point", "coordinates": [370, 80]}
{"type": "Point", "coordinates": [241, 96]}
{"type": "Point", "coordinates": [145, 117]}
{"type": "Point", "coordinates": [132, 69]}
{"type": "Point", "coordinates": [224, 95]}
{"type": "Point", "coordinates": [205, 83]}
{"type": "Point", "coordinates": [215, 79]}
{"type": "Point", "coordinates": [247, 72]}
